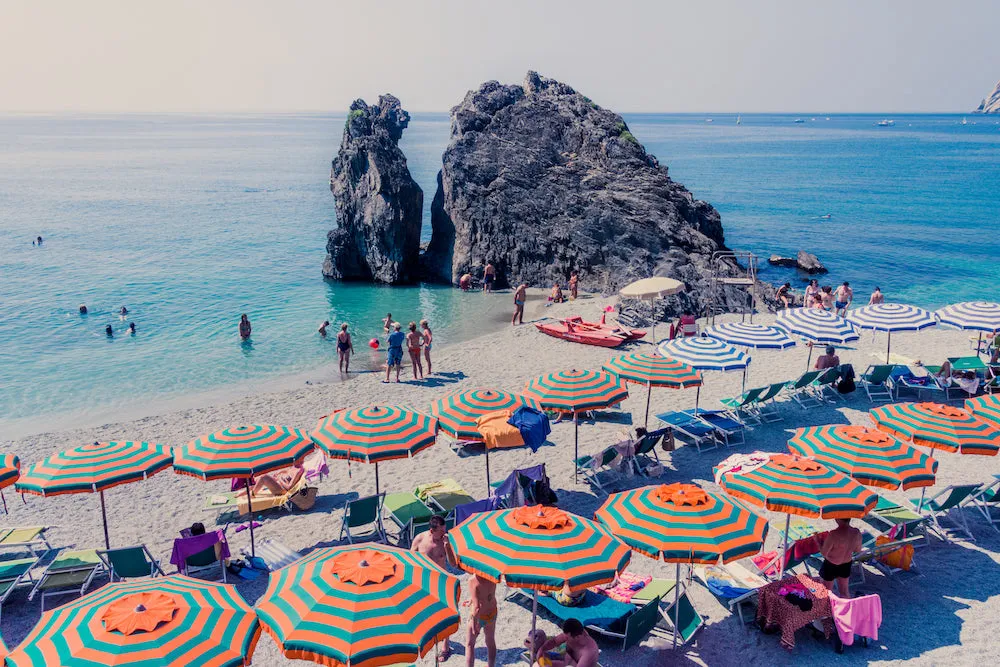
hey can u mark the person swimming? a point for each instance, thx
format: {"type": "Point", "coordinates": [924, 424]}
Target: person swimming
{"type": "Point", "coordinates": [123, 311]}
{"type": "Point", "coordinates": [245, 328]}
{"type": "Point", "coordinates": [131, 328]}
{"type": "Point", "coordinates": [83, 309]}
{"type": "Point", "coordinates": [109, 331]}
{"type": "Point", "coordinates": [322, 328]}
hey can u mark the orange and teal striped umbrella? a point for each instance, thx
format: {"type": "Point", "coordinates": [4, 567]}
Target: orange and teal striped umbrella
{"type": "Point", "coordinates": [985, 407]}
{"type": "Point", "coordinates": [576, 391]}
{"type": "Point", "coordinates": [801, 486]}
{"type": "Point", "coordinates": [682, 523]}
{"type": "Point", "coordinates": [871, 457]}
{"type": "Point", "coordinates": [539, 548]}
{"type": "Point", "coordinates": [938, 426]}
{"type": "Point", "coordinates": [242, 451]}
{"type": "Point", "coordinates": [159, 622]}
{"type": "Point", "coordinates": [653, 370]}
{"type": "Point", "coordinates": [94, 468]}
{"type": "Point", "coordinates": [10, 469]}
{"type": "Point", "coordinates": [457, 412]}
{"type": "Point", "coordinates": [360, 606]}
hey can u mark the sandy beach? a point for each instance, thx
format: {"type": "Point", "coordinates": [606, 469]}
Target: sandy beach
{"type": "Point", "coordinates": [945, 617]}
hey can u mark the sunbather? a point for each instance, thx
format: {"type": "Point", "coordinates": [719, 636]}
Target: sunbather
{"type": "Point", "coordinates": [281, 481]}
{"type": "Point", "coordinates": [581, 649]}
{"type": "Point", "coordinates": [838, 551]}
{"type": "Point", "coordinates": [828, 360]}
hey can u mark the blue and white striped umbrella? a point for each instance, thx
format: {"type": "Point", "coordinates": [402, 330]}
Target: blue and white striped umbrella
{"type": "Point", "coordinates": [891, 317]}
{"type": "Point", "coordinates": [750, 335]}
{"type": "Point", "coordinates": [705, 354]}
{"type": "Point", "coordinates": [817, 326]}
{"type": "Point", "coordinates": [971, 315]}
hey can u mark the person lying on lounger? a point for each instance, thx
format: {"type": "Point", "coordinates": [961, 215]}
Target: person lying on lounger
{"type": "Point", "coordinates": [281, 481]}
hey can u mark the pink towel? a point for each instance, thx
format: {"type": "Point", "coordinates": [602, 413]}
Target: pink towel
{"type": "Point", "coordinates": [856, 616]}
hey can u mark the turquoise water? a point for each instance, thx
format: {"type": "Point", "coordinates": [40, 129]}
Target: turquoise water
{"type": "Point", "coordinates": [192, 220]}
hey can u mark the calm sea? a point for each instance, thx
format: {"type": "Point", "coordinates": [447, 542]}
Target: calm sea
{"type": "Point", "coordinates": [192, 220]}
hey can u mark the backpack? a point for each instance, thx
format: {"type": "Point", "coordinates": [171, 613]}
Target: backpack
{"type": "Point", "coordinates": [846, 384]}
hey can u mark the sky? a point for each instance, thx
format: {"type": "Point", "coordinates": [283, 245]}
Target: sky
{"type": "Point", "coordinates": [629, 55]}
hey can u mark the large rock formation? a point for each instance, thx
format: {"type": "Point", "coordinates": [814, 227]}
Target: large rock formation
{"type": "Point", "coordinates": [804, 261]}
{"type": "Point", "coordinates": [992, 103]}
{"type": "Point", "coordinates": [540, 181]}
{"type": "Point", "coordinates": [379, 205]}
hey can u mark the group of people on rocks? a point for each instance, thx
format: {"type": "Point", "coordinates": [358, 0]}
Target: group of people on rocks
{"type": "Point", "coordinates": [826, 298]}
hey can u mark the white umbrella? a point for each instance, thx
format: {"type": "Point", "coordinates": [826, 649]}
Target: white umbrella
{"type": "Point", "coordinates": [705, 354]}
{"type": "Point", "coordinates": [756, 336]}
{"type": "Point", "coordinates": [972, 315]}
{"type": "Point", "coordinates": [890, 317]}
{"type": "Point", "coordinates": [650, 289]}
{"type": "Point", "coordinates": [816, 326]}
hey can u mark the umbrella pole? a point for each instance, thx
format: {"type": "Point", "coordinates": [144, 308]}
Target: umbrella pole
{"type": "Point", "coordinates": [784, 549]}
{"type": "Point", "coordinates": [923, 490]}
{"type": "Point", "coordinates": [576, 448]}
{"type": "Point", "coordinates": [104, 515]}
{"type": "Point", "coordinates": [4, 503]}
{"type": "Point", "coordinates": [888, 343]}
{"type": "Point", "coordinates": [253, 551]}
{"type": "Point", "coordinates": [744, 387]}
{"type": "Point", "coordinates": [534, 617]}
{"type": "Point", "coordinates": [677, 593]}
{"type": "Point", "coordinates": [979, 344]}
{"type": "Point", "coordinates": [488, 492]}
{"type": "Point", "coordinates": [809, 358]}
{"type": "Point", "coordinates": [697, 395]}
{"type": "Point", "coordinates": [649, 395]}
{"type": "Point", "coordinates": [376, 478]}
{"type": "Point", "coordinates": [652, 317]}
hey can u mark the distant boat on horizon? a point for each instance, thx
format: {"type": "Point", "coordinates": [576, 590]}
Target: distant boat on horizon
{"type": "Point", "coordinates": [708, 120]}
{"type": "Point", "coordinates": [798, 120]}
{"type": "Point", "coordinates": [885, 122]}
{"type": "Point", "coordinates": [965, 122]}
{"type": "Point", "coordinates": [739, 119]}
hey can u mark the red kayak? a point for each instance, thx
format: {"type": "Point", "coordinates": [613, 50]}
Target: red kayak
{"type": "Point", "coordinates": [574, 329]}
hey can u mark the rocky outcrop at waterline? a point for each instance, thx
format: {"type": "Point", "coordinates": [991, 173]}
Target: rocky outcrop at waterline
{"type": "Point", "coordinates": [992, 103]}
{"type": "Point", "coordinates": [803, 261]}
{"type": "Point", "coordinates": [378, 203]}
{"type": "Point", "coordinates": [540, 181]}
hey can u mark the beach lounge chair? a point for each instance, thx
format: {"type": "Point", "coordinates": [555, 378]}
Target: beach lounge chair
{"type": "Point", "coordinates": [15, 572]}
{"type": "Point", "coordinates": [130, 562]}
{"type": "Point", "coordinates": [985, 500]}
{"type": "Point", "coordinates": [693, 430]}
{"type": "Point", "coordinates": [361, 514]}
{"type": "Point", "coordinates": [767, 404]}
{"type": "Point", "coordinates": [874, 554]}
{"type": "Point", "coordinates": [301, 496]}
{"type": "Point", "coordinates": [605, 616]}
{"type": "Point", "coordinates": [645, 459]}
{"type": "Point", "coordinates": [733, 432]}
{"type": "Point", "coordinates": [890, 518]}
{"type": "Point", "coordinates": [409, 514]}
{"type": "Point", "coordinates": [877, 383]}
{"type": "Point", "coordinates": [197, 563]}
{"type": "Point", "coordinates": [70, 573]}
{"type": "Point", "coordinates": [733, 584]}
{"type": "Point", "coordinates": [599, 470]}
{"type": "Point", "coordinates": [948, 504]}
{"type": "Point", "coordinates": [443, 497]}
{"type": "Point", "coordinates": [519, 487]}
{"type": "Point", "coordinates": [744, 407]}
{"type": "Point", "coordinates": [689, 621]}
{"type": "Point", "coordinates": [26, 538]}
{"type": "Point", "coordinates": [825, 385]}
{"type": "Point", "coordinates": [802, 390]}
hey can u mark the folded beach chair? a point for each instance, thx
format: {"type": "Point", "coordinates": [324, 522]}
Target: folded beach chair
{"type": "Point", "coordinates": [599, 471]}
{"type": "Point", "coordinates": [605, 616]}
{"type": "Point", "coordinates": [13, 573]}
{"type": "Point", "coordinates": [733, 584]}
{"type": "Point", "coordinates": [645, 459]}
{"type": "Point", "coordinates": [409, 514]}
{"type": "Point", "coordinates": [130, 562]}
{"type": "Point", "coordinates": [689, 621]}
{"type": "Point", "coordinates": [71, 572]}
{"type": "Point", "coordinates": [802, 390]}
{"type": "Point", "coordinates": [744, 407]}
{"type": "Point", "coordinates": [767, 405]}
{"type": "Point", "coordinates": [985, 500]}
{"type": "Point", "coordinates": [694, 430]}
{"type": "Point", "coordinates": [361, 514]}
{"type": "Point", "coordinates": [733, 432]}
{"type": "Point", "coordinates": [275, 553]}
{"type": "Point", "coordinates": [948, 504]}
{"type": "Point", "coordinates": [519, 487]}
{"type": "Point", "coordinates": [26, 538]}
{"type": "Point", "coordinates": [876, 382]}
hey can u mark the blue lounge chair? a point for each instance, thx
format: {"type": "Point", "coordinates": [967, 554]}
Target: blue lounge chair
{"type": "Point", "coordinates": [694, 430]}
{"type": "Point", "coordinates": [877, 383]}
{"type": "Point", "coordinates": [732, 431]}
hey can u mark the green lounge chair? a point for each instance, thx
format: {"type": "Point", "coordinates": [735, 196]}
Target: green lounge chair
{"type": "Point", "coordinates": [26, 538]}
{"type": "Point", "coordinates": [645, 457]}
{"type": "Point", "coordinates": [733, 584]}
{"type": "Point", "coordinates": [130, 563]}
{"type": "Point", "coordinates": [888, 516]}
{"type": "Point", "coordinates": [363, 513]}
{"type": "Point", "coordinates": [598, 471]}
{"type": "Point", "coordinates": [802, 391]}
{"type": "Point", "coordinates": [876, 382]}
{"type": "Point", "coordinates": [198, 564]}
{"type": "Point", "coordinates": [688, 620]}
{"type": "Point", "coordinates": [825, 385]}
{"type": "Point", "coordinates": [744, 407]}
{"type": "Point", "coordinates": [410, 515]}
{"type": "Point", "coordinates": [767, 405]}
{"type": "Point", "coordinates": [605, 616]}
{"type": "Point", "coordinates": [987, 499]}
{"type": "Point", "coordinates": [638, 625]}
{"type": "Point", "coordinates": [948, 504]}
{"type": "Point", "coordinates": [13, 573]}
{"type": "Point", "coordinates": [71, 572]}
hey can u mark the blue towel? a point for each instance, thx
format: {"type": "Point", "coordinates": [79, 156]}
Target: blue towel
{"type": "Point", "coordinates": [533, 425]}
{"type": "Point", "coordinates": [596, 609]}
{"type": "Point", "coordinates": [463, 512]}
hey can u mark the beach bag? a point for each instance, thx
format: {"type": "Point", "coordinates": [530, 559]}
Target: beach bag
{"type": "Point", "coordinates": [846, 384]}
{"type": "Point", "coordinates": [668, 444]}
{"type": "Point", "coordinates": [901, 558]}
{"type": "Point", "coordinates": [542, 492]}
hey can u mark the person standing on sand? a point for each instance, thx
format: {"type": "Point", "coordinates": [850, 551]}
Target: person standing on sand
{"type": "Point", "coordinates": [826, 297]}
{"type": "Point", "coordinates": [395, 342]}
{"type": "Point", "coordinates": [785, 295]}
{"type": "Point", "coordinates": [425, 330]}
{"type": "Point", "coordinates": [413, 342]}
{"type": "Point", "coordinates": [387, 323]}
{"type": "Point", "coordinates": [245, 328]}
{"type": "Point", "coordinates": [489, 275]}
{"type": "Point", "coordinates": [520, 294]}
{"type": "Point", "coordinates": [483, 594]}
{"type": "Point", "coordinates": [812, 291]}
{"type": "Point", "coordinates": [322, 328]}
{"type": "Point", "coordinates": [434, 544]}
{"type": "Point", "coordinates": [838, 551]}
{"type": "Point", "coordinates": [845, 295]}
{"type": "Point", "coordinates": [574, 284]}
{"type": "Point", "coordinates": [877, 297]}
{"type": "Point", "coordinates": [345, 346]}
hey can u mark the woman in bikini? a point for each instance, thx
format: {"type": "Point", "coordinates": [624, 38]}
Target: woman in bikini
{"type": "Point", "coordinates": [344, 348]}
{"type": "Point", "coordinates": [413, 342]}
{"type": "Point", "coordinates": [425, 329]}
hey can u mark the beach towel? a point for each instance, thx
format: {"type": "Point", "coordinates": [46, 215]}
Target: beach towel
{"type": "Point", "coordinates": [625, 588]}
{"type": "Point", "coordinates": [185, 547]}
{"type": "Point", "coordinates": [856, 616]}
{"type": "Point", "coordinates": [740, 463]}
{"type": "Point", "coordinates": [533, 425]}
{"type": "Point", "coordinates": [721, 582]}
{"type": "Point", "coordinates": [497, 432]}
{"type": "Point", "coordinates": [424, 491]}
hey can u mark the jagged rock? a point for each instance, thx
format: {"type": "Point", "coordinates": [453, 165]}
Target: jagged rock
{"type": "Point", "coordinates": [540, 181]}
{"type": "Point", "coordinates": [809, 263]}
{"type": "Point", "coordinates": [992, 103]}
{"type": "Point", "coordinates": [780, 260]}
{"type": "Point", "coordinates": [379, 205]}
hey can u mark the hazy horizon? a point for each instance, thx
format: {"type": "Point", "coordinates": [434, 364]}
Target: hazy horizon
{"type": "Point", "coordinates": [113, 56]}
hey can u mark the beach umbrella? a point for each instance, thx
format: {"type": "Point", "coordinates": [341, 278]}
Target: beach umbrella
{"type": "Point", "coordinates": [360, 605]}
{"type": "Point", "coordinates": [651, 289]}
{"type": "Point", "coordinates": [985, 407]}
{"type": "Point", "coordinates": [705, 354]}
{"type": "Point", "coordinates": [938, 426]}
{"type": "Point", "coordinates": [242, 452]}
{"type": "Point", "coordinates": [94, 468]}
{"type": "Point", "coordinates": [160, 622]}
{"type": "Point", "coordinates": [653, 370]}
{"type": "Point", "coordinates": [573, 392]}
{"type": "Point", "coordinates": [538, 548]}
{"type": "Point", "coordinates": [793, 485]}
{"type": "Point", "coordinates": [891, 317]}
{"type": "Point", "coordinates": [971, 316]}
{"type": "Point", "coordinates": [870, 456]}
{"type": "Point", "coordinates": [10, 470]}
{"type": "Point", "coordinates": [374, 434]}
{"type": "Point", "coordinates": [756, 336]}
{"type": "Point", "coordinates": [816, 326]}
{"type": "Point", "coordinates": [682, 523]}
